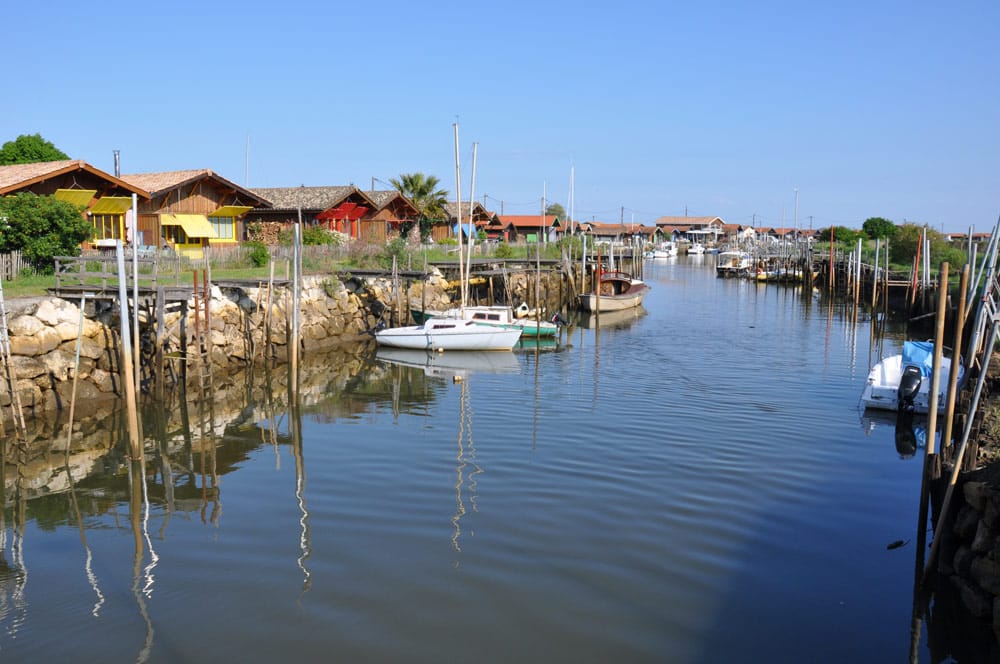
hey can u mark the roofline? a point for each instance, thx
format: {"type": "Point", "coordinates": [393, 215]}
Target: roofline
{"type": "Point", "coordinates": [76, 164]}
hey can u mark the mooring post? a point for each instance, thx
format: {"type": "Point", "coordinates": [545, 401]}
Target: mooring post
{"type": "Point", "coordinates": [956, 360]}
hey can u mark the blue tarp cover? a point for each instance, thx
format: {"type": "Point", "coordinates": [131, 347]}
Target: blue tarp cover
{"type": "Point", "coordinates": [919, 353]}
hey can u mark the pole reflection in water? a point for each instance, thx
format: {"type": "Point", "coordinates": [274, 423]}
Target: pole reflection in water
{"type": "Point", "coordinates": [465, 484]}
{"type": "Point", "coordinates": [141, 580]}
{"type": "Point", "coordinates": [305, 536]}
{"type": "Point", "coordinates": [13, 573]}
{"type": "Point", "coordinates": [88, 569]}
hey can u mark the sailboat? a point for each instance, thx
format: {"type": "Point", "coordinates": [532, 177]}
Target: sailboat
{"type": "Point", "coordinates": [459, 332]}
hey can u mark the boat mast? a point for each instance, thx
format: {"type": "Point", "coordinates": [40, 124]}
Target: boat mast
{"type": "Point", "coordinates": [472, 197]}
{"type": "Point", "coordinates": [458, 197]}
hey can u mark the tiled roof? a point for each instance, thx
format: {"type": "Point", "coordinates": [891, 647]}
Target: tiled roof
{"type": "Point", "coordinates": [17, 175]}
{"type": "Point", "coordinates": [384, 198]}
{"type": "Point", "coordinates": [158, 183]}
{"type": "Point", "coordinates": [451, 209]}
{"type": "Point", "coordinates": [686, 221]}
{"type": "Point", "coordinates": [528, 220]}
{"type": "Point", "coordinates": [310, 198]}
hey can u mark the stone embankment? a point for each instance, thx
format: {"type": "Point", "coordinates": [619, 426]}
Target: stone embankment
{"type": "Point", "coordinates": [44, 335]}
{"type": "Point", "coordinates": [246, 324]}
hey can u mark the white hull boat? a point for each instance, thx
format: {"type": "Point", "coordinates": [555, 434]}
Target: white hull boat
{"type": "Point", "coordinates": [448, 334]}
{"type": "Point", "coordinates": [903, 382]}
{"type": "Point", "coordinates": [497, 316]}
{"type": "Point", "coordinates": [733, 264]}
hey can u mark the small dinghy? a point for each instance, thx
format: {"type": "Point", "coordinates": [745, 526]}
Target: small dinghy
{"type": "Point", "coordinates": [903, 382]}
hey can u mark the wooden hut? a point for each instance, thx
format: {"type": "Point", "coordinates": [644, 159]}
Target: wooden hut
{"type": "Point", "coordinates": [188, 211]}
{"type": "Point", "coordinates": [103, 198]}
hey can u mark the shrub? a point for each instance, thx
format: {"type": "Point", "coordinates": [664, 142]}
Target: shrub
{"type": "Point", "coordinates": [257, 254]}
{"type": "Point", "coordinates": [504, 250]}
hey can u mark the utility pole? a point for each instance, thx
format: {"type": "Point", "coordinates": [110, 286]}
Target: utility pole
{"type": "Point", "coordinates": [796, 208]}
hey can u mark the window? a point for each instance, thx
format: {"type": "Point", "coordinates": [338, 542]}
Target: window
{"type": "Point", "coordinates": [175, 235]}
{"type": "Point", "coordinates": [223, 227]}
{"type": "Point", "coordinates": [107, 226]}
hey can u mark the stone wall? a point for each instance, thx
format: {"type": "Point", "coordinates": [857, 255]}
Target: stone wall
{"type": "Point", "coordinates": [970, 555]}
{"type": "Point", "coordinates": [243, 329]}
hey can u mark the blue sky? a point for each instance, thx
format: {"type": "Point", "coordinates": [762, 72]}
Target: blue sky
{"type": "Point", "coordinates": [714, 108]}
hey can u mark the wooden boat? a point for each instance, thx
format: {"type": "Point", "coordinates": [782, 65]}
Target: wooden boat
{"type": "Point", "coordinates": [618, 290]}
{"type": "Point", "coordinates": [448, 334]}
{"type": "Point", "coordinates": [497, 315]}
{"type": "Point", "coordinates": [903, 382]}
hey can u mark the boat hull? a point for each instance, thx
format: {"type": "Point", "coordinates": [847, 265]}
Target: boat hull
{"type": "Point", "coordinates": [448, 334]}
{"type": "Point", "coordinates": [882, 386]}
{"type": "Point", "coordinates": [618, 291]}
{"type": "Point", "coordinates": [591, 302]}
{"type": "Point", "coordinates": [496, 316]}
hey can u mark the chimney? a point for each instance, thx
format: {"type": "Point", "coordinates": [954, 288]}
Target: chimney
{"type": "Point", "coordinates": [118, 167]}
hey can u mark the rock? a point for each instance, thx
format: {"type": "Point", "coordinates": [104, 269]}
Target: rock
{"type": "Point", "coordinates": [985, 538]}
{"type": "Point", "coordinates": [966, 522]}
{"type": "Point", "coordinates": [978, 603]}
{"type": "Point", "coordinates": [986, 573]}
{"type": "Point", "coordinates": [24, 326]}
{"type": "Point", "coordinates": [975, 495]}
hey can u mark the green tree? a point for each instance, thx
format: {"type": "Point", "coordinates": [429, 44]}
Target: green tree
{"type": "Point", "coordinates": [878, 227]}
{"type": "Point", "coordinates": [41, 228]}
{"type": "Point", "coordinates": [556, 210]}
{"type": "Point", "coordinates": [903, 248]}
{"type": "Point", "coordinates": [423, 191]}
{"type": "Point", "coordinates": [29, 150]}
{"type": "Point", "coordinates": [842, 235]}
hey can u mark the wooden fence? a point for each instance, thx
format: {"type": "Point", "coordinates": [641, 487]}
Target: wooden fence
{"type": "Point", "coordinates": [11, 265]}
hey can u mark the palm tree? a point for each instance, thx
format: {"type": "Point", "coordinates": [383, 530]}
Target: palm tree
{"type": "Point", "coordinates": [422, 190]}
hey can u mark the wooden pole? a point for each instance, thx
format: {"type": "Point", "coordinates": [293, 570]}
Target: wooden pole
{"type": "Point", "coordinates": [957, 463]}
{"type": "Point", "coordinates": [956, 360]}
{"type": "Point", "coordinates": [126, 357]}
{"type": "Point", "coordinates": [76, 373]}
{"type": "Point", "coordinates": [936, 370]}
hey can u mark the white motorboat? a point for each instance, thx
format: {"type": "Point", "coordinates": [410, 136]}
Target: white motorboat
{"type": "Point", "coordinates": [903, 382]}
{"type": "Point", "coordinates": [663, 250]}
{"type": "Point", "coordinates": [448, 334]}
{"type": "Point", "coordinates": [695, 249]}
{"type": "Point", "coordinates": [733, 263]}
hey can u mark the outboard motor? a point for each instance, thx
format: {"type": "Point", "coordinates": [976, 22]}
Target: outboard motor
{"type": "Point", "coordinates": [909, 385]}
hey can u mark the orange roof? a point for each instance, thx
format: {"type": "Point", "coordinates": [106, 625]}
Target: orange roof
{"type": "Point", "coordinates": [528, 220]}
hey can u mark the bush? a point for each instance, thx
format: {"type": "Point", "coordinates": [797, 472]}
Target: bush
{"type": "Point", "coordinates": [504, 250]}
{"type": "Point", "coordinates": [317, 235]}
{"type": "Point", "coordinates": [257, 254]}
{"type": "Point", "coordinates": [41, 228]}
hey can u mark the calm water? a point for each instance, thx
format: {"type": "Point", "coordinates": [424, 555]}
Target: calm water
{"type": "Point", "coordinates": [694, 484]}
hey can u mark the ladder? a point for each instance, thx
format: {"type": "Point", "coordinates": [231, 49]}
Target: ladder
{"type": "Point", "coordinates": [20, 430]}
